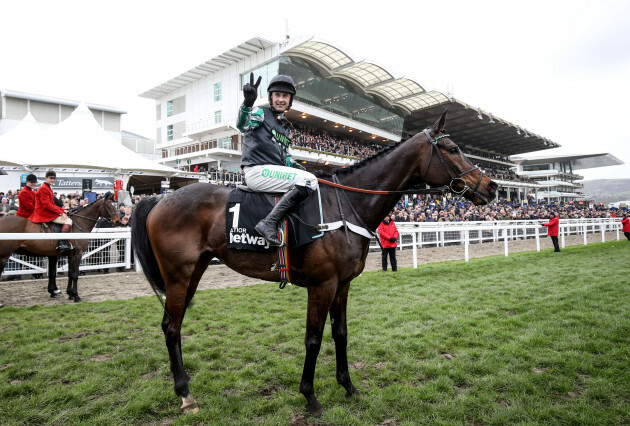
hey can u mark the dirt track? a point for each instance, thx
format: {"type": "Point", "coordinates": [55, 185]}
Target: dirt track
{"type": "Point", "coordinates": [127, 285]}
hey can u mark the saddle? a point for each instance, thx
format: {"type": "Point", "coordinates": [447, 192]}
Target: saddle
{"type": "Point", "coordinates": [245, 208]}
{"type": "Point", "coordinates": [50, 227]}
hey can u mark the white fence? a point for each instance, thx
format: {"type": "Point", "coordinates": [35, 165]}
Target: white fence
{"type": "Point", "coordinates": [416, 235]}
{"type": "Point", "coordinates": [107, 248]}
{"type": "Point", "coordinates": [111, 248]}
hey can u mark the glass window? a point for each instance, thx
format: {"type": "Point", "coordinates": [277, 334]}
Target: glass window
{"type": "Point", "coordinates": [217, 117]}
{"type": "Point", "coordinates": [225, 143]}
{"type": "Point", "coordinates": [169, 132]}
{"type": "Point", "coordinates": [267, 72]}
{"type": "Point", "coordinates": [169, 108]}
{"type": "Point", "coordinates": [217, 92]}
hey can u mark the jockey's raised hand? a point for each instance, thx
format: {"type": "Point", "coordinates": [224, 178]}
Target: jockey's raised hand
{"type": "Point", "coordinates": [250, 91]}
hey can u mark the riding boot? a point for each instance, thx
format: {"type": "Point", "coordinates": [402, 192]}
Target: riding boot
{"type": "Point", "coordinates": [64, 246]}
{"type": "Point", "coordinates": [268, 227]}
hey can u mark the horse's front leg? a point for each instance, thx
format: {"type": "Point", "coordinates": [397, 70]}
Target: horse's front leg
{"type": "Point", "coordinates": [73, 277]}
{"type": "Point", "coordinates": [319, 301]}
{"type": "Point", "coordinates": [52, 277]}
{"type": "Point", "coordinates": [339, 328]}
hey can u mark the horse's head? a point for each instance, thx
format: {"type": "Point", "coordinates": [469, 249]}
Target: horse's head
{"type": "Point", "coordinates": [108, 210]}
{"type": "Point", "coordinates": [447, 165]}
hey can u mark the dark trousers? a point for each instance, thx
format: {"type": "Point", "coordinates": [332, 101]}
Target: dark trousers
{"type": "Point", "coordinates": [627, 234]}
{"type": "Point", "coordinates": [554, 240]}
{"type": "Point", "coordinates": [392, 258]}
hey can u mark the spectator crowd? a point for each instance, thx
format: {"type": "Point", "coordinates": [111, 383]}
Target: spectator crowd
{"type": "Point", "coordinates": [432, 209]}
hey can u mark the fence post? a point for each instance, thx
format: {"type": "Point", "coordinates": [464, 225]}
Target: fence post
{"type": "Point", "coordinates": [537, 230]}
{"type": "Point", "coordinates": [505, 242]}
{"type": "Point", "coordinates": [603, 228]}
{"type": "Point", "coordinates": [585, 228]}
{"type": "Point", "coordinates": [127, 253]}
{"type": "Point", "coordinates": [466, 256]}
{"type": "Point", "coordinates": [415, 251]}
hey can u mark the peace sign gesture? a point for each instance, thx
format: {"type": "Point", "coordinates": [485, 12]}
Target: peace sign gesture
{"type": "Point", "coordinates": [250, 90]}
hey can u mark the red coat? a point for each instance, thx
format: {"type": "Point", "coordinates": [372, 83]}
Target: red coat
{"type": "Point", "coordinates": [552, 227]}
{"type": "Point", "coordinates": [385, 232]}
{"type": "Point", "coordinates": [27, 202]}
{"type": "Point", "coordinates": [626, 224]}
{"type": "Point", "coordinates": [45, 208]}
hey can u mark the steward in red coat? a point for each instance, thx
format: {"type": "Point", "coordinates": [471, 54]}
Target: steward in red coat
{"type": "Point", "coordinates": [626, 226]}
{"type": "Point", "coordinates": [552, 225]}
{"type": "Point", "coordinates": [47, 211]}
{"type": "Point", "coordinates": [388, 233]}
{"type": "Point", "coordinates": [552, 230]}
{"type": "Point", "coordinates": [27, 197]}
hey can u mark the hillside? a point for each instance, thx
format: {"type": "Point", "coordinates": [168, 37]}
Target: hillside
{"type": "Point", "coordinates": [607, 190]}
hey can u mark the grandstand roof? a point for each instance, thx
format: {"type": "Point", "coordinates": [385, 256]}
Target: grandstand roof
{"type": "Point", "coordinates": [470, 126]}
{"type": "Point", "coordinates": [478, 129]}
{"type": "Point", "coordinates": [578, 162]}
{"type": "Point", "coordinates": [234, 55]}
{"type": "Point", "coordinates": [402, 92]}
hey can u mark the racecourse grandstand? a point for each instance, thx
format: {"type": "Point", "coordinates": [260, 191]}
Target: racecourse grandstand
{"type": "Point", "coordinates": [344, 110]}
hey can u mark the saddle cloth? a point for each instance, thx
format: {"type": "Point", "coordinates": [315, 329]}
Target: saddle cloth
{"type": "Point", "coordinates": [246, 208]}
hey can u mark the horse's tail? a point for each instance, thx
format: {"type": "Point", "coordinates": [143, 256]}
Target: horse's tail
{"type": "Point", "coordinates": [142, 245]}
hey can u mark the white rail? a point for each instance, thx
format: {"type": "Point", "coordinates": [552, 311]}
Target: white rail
{"type": "Point", "coordinates": [416, 235]}
{"type": "Point", "coordinates": [107, 248]}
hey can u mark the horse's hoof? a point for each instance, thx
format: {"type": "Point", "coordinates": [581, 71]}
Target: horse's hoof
{"type": "Point", "coordinates": [315, 410]}
{"type": "Point", "coordinates": [57, 291]}
{"type": "Point", "coordinates": [352, 392]}
{"type": "Point", "coordinates": [189, 405]}
{"type": "Point", "coordinates": [77, 299]}
{"type": "Point", "coordinates": [54, 295]}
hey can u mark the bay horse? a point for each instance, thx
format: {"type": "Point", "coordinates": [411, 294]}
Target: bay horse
{"type": "Point", "coordinates": [175, 237]}
{"type": "Point", "coordinates": [82, 221]}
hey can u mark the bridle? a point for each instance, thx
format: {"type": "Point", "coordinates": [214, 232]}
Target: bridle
{"type": "Point", "coordinates": [74, 213]}
{"type": "Point", "coordinates": [455, 178]}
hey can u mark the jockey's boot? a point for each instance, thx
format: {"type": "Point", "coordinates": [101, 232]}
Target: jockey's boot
{"type": "Point", "coordinates": [64, 246]}
{"type": "Point", "coordinates": [268, 227]}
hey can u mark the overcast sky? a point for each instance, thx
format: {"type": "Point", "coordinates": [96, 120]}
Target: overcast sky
{"type": "Point", "coordinates": [557, 68]}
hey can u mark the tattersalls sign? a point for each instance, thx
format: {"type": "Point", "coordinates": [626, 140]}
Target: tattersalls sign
{"type": "Point", "coordinates": [77, 182]}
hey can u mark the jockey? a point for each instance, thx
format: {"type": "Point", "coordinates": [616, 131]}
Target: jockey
{"type": "Point", "coordinates": [47, 211]}
{"type": "Point", "coordinates": [27, 197]}
{"type": "Point", "coordinates": [266, 160]}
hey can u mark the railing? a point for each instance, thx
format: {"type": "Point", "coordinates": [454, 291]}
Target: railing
{"type": "Point", "coordinates": [225, 178]}
{"type": "Point", "coordinates": [416, 235]}
{"type": "Point", "coordinates": [107, 248]}
{"type": "Point", "coordinates": [111, 248]}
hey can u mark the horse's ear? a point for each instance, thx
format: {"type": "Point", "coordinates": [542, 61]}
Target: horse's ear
{"type": "Point", "coordinates": [438, 126]}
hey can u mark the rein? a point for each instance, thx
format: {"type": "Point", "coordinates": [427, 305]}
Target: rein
{"type": "Point", "coordinates": [437, 190]}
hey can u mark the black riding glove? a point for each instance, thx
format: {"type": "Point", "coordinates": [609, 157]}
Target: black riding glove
{"type": "Point", "coordinates": [250, 91]}
{"type": "Point", "coordinates": [392, 240]}
{"type": "Point", "coordinates": [299, 166]}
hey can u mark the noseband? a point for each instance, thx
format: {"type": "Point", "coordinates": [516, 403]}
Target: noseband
{"type": "Point", "coordinates": [455, 178]}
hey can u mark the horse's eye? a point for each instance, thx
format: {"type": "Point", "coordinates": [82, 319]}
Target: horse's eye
{"type": "Point", "coordinates": [453, 150]}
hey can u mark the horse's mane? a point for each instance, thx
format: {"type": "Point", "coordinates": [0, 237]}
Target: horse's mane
{"type": "Point", "coordinates": [362, 163]}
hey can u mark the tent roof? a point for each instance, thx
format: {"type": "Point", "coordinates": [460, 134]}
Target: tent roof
{"type": "Point", "coordinates": [78, 141]}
